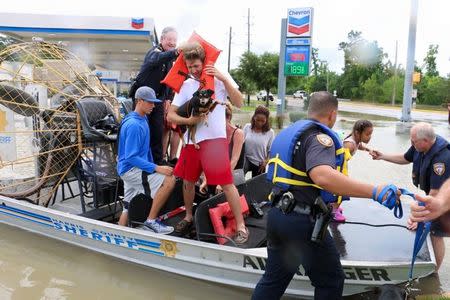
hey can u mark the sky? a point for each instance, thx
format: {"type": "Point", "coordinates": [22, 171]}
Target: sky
{"type": "Point", "coordinates": [385, 21]}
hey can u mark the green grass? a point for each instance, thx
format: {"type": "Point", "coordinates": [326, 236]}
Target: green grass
{"type": "Point", "coordinates": [397, 104]}
{"type": "Point", "coordinates": [255, 103]}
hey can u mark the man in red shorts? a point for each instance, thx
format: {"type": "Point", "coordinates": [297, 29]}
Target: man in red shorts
{"type": "Point", "coordinates": [212, 156]}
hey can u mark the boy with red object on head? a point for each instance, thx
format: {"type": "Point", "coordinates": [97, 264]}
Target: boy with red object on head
{"type": "Point", "coordinates": [212, 156]}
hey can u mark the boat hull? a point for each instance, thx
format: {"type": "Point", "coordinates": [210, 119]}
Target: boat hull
{"type": "Point", "coordinates": [222, 264]}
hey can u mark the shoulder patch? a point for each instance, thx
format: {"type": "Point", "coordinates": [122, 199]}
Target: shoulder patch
{"type": "Point", "coordinates": [324, 140]}
{"type": "Point", "coordinates": [439, 168]}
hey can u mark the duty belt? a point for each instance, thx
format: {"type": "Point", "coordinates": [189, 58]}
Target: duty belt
{"type": "Point", "coordinates": [302, 209]}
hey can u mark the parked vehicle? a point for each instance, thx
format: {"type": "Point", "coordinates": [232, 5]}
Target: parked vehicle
{"type": "Point", "coordinates": [263, 94]}
{"type": "Point", "coordinates": [300, 94]}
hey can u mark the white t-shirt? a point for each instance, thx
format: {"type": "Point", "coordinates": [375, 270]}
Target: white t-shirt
{"type": "Point", "coordinates": [215, 125]}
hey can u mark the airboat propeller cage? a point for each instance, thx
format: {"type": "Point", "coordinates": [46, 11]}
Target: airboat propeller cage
{"type": "Point", "coordinates": [44, 139]}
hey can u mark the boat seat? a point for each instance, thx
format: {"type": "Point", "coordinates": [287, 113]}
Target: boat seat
{"type": "Point", "coordinates": [138, 209]}
{"type": "Point", "coordinates": [257, 228]}
{"type": "Point", "coordinates": [127, 106]}
{"type": "Point", "coordinates": [98, 121]}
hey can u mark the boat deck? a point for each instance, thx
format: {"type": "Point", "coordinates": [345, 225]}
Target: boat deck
{"type": "Point", "coordinates": [355, 242]}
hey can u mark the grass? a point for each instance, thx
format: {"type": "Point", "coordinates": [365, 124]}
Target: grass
{"type": "Point", "coordinates": [255, 103]}
{"type": "Point", "coordinates": [418, 106]}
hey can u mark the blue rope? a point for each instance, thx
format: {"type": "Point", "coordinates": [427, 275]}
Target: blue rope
{"type": "Point", "coordinates": [423, 228]}
{"type": "Point", "coordinates": [391, 201]}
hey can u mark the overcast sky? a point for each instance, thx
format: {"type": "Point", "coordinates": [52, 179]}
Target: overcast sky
{"type": "Point", "coordinates": [382, 20]}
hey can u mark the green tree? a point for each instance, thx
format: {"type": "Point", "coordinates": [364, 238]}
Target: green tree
{"type": "Point", "coordinates": [430, 61]}
{"type": "Point", "coordinates": [372, 89]}
{"type": "Point", "coordinates": [261, 70]}
{"type": "Point", "coordinates": [315, 61]}
{"type": "Point", "coordinates": [245, 85]}
{"type": "Point", "coordinates": [362, 59]}
{"type": "Point", "coordinates": [434, 90]}
{"type": "Point", "coordinates": [388, 87]}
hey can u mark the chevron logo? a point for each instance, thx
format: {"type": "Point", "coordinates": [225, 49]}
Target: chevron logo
{"type": "Point", "coordinates": [298, 26]}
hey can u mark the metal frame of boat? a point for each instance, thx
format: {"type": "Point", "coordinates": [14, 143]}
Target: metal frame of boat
{"type": "Point", "coordinates": [217, 263]}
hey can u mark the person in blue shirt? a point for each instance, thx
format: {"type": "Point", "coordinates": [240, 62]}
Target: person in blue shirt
{"type": "Point", "coordinates": [135, 165]}
{"type": "Point", "coordinates": [430, 155]}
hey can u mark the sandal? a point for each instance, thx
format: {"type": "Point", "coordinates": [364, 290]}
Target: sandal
{"type": "Point", "coordinates": [241, 236]}
{"type": "Point", "coordinates": [183, 227]}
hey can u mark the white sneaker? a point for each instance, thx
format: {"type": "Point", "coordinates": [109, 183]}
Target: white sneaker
{"type": "Point", "coordinates": [158, 227]}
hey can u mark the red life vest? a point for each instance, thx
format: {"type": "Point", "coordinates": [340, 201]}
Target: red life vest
{"type": "Point", "coordinates": [175, 78]}
{"type": "Point", "coordinates": [223, 221]}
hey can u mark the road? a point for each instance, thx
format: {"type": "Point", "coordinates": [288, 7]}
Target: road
{"type": "Point", "coordinates": [393, 112]}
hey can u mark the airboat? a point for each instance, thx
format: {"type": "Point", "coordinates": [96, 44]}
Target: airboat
{"type": "Point", "coordinates": [58, 179]}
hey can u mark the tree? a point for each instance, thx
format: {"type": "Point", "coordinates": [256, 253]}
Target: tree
{"type": "Point", "coordinates": [362, 59]}
{"type": "Point", "coordinates": [433, 90]}
{"type": "Point", "coordinates": [372, 89]}
{"type": "Point", "coordinates": [315, 61]}
{"type": "Point", "coordinates": [261, 70]}
{"type": "Point", "coordinates": [245, 85]}
{"type": "Point", "coordinates": [430, 61]}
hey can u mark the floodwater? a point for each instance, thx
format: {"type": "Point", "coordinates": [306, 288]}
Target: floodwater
{"type": "Point", "coordinates": [35, 267]}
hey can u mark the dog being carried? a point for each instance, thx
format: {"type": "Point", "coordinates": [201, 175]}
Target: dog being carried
{"type": "Point", "coordinates": [200, 103]}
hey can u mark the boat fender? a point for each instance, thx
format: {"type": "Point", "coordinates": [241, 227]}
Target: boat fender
{"type": "Point", "coordinates": [177, 74]}
{"type": "Point", "coordinates": [223, 221]}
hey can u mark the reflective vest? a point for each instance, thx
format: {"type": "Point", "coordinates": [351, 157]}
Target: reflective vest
{"type": "Point", "coordinates": [422, 167]}
{"type": "Point", "coordinates": [281, 155]}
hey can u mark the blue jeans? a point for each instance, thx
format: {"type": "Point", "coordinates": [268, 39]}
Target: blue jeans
{"type": "Point", "coordinates": [289, 246]}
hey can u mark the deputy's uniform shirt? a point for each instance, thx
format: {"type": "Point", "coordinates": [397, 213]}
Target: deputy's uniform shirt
{"type": "Point", "coordinates": [313, 149]}
{"type": "Point", "coordinates": [439, 167]}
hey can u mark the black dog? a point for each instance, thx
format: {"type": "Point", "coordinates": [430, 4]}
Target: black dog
{"type": "Point", "coordinates": [201, 102]}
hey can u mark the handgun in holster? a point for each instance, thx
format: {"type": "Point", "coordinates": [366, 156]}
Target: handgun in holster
{"type": "Point", "coordinates": [287, 202]}
{"type": "Point", "coordinates": [322, 216]}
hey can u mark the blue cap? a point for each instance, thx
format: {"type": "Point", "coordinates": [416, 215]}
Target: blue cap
{"type": "Point", "coordinates": [147, 94]}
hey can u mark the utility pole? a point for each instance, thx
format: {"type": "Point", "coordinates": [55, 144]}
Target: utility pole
{"type": "Point", "coordinates": [229, 51]}
{"type": "Point", "coordinates": [407, 91]}
{"type": "Point", "coordinates": [248, 46]}
{"type": "Point", "coordinates": [248, 30]}
{"type": "Point", "coordinates": [394, 89]}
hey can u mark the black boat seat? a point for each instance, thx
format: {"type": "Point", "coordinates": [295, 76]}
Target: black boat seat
{"type": "Point", "coordinates": [127, 106]}
{"type": "Point", "coordinates": [98, 121]}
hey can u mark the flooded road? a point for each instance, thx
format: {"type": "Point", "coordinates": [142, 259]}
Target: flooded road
{"type": "Point", "coordinates": [35, 267]}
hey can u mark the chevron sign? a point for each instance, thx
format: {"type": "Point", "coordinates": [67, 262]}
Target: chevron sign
{"type": "Point", "coordinates": [299, 22]}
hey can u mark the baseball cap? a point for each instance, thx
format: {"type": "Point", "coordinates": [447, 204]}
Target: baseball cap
{"type": "Point", "coordinates": [147, 94]}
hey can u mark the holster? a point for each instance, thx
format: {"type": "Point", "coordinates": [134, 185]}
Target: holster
{"type": "Point", "coordinates": [322, 216]}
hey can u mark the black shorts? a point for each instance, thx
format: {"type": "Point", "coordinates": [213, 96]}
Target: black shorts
{"type": "Point", "coordinates": [437, 230]}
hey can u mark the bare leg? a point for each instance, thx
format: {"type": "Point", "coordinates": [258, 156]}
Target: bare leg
{"type": "Point", "coordinates": [165, 142]}
{"type": "Point", "coordinates": [232, 195]}
{"type": "Point", "coordinates": [174, 144]}
{"type": "Point", "coordinates": [161, 196]}
{"type": "Point", "coordinates": [123, 220]}
{"type": "Point", "coordinates": [439, 250]}
{"type": "Point", "coordinates": [188, 196]}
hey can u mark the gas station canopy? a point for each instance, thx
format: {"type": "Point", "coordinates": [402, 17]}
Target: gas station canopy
{"type": "Point", "coordinates": [116, 44]}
